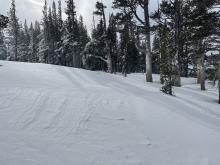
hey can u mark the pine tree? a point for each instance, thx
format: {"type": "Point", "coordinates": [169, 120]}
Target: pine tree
{"type": "Point", "coordinates": [113, 42]}
{"type": "Point", "coordinates": [202, 19]}
{"type": "Point", "coordinates": [101, 41]}
{"type": "Point", "coordinates": [71, 38]}
{"type": "Point", "coordinates": [100, 11]}
{"type": "Point", "coordinates": [44, 37]}
{"type": "Point", "coordinates": [55, 22]}
{"type": "Point", "coordinates": [94, 54]}
{"type": "Point", "coordinates": [27, 42]}
{"type": "Point", "coordinates": [60, 31]}
{"type": "Point", "coordinates": [172, 11]}
{"type": "Point", "coordinates": [31, 46]}
{"type": "Point", "coordinates": [83, 37]}
{"type": "Point", "coordinates": [36, 41]}
{"type": "Point", "coordinates": [59, 19]}
{"type": "Point", "coordinates": [13, 32]}
{"type": "Point", "coordinates": [23, 43]}
{"type": "Point", "coordinates": [124, 42]}
{"type": "Point", "coordinates": [34, 32]}
{"type": "Point", "coordinates": [22, 47]}
{"type": "Point", "coordinates": [156, 54]}
{"type": "Point", "coordinates": [133, 7]}
{"type": "Point", "coordinates": [3, 49]}
{"type": "Point", "coordinates": [3, 22]}
{"type": "Point", "coordinates": [52, 38]}
{"type": "Point", "coordinates": [56, 31]}
{"type": "Point", "coordinates": [167, 61]}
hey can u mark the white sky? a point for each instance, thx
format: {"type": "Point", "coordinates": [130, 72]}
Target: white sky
{"type": "Point", "coordinates": [32, 9]}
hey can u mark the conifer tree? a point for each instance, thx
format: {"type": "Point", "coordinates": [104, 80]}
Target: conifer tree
{"type": "Point", "coordinates": [71, 39]}
{"type": "Point", "coordinates": [13, 32]}
{"type": "Point", "coordinates": [60, 32]}
{"type": "Point", "coordinates": [25, 43]}
{"type": "Point", "coordinates": [22, 45]}
{"type": "Point", "coordinates": [36, 40]}
{"type": "Point", "coordinates": [134, 7]}
{"type": "Point", "coordinates": [124, 42]}
{"type": "Point", "coordinates": [94, 54]}
{"type": "Point", "coordinates": [3, 22]}
{"type": "Point", "coordinates": [3, 49]}
{"type": "Point", "coordinates": [167, 60]}
{"type": "Point", "coordinates": [44, 37]}
{"type": "Point", "coordinates": [52, 38]}
{"type": "Point", "coordinates": [202, 19]}
{"type": "Point", "coordinates": [112, 38]}
{"type": "Point", "coordinates": [100, 11]}
{"type": "Point", "coordinates": [34, 32]}
{"type": "Point", "coordinates": [83, 38]}
{"type": "Point", "coordinates": [156, 54]}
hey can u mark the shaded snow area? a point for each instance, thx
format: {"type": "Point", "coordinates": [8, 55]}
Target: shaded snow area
{"type": "Point", "coordinates": [52, 115]}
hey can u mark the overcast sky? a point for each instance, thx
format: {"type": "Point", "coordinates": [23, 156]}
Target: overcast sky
{"type": "Point", "coordinates": [32, 9]}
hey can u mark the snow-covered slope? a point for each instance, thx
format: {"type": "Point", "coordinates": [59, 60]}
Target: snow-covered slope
{"type": "Point", "coordinates": [52, 115]}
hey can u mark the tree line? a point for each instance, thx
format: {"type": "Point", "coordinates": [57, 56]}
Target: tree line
{"type": "Point", "coordinates": [186, 39]}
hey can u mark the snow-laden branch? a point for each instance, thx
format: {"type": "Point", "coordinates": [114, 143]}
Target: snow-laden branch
{"type": "Point", "coordinates": [99, 57]}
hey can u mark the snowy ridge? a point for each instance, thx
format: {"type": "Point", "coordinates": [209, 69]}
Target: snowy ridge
{"type": "Point", "coordinates": [58, 115]}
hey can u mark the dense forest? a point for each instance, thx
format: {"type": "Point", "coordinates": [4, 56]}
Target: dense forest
{"type": "Point", "coordinates": [180, 39]}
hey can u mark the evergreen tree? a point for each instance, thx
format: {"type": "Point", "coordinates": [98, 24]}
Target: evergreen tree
{"type": "Point", "coordinates": [44, 36]}
{"type": "Point", "coordinates": [124, 42]}
{"type": "Point", "coordinates": [36, 41]}
{"type": "Point", "coordinates": [100, 11]}
{"type": "Point", "coordinates": [13, 32]}
{"type": "Point", "coordinates": [94, 54]}
{"type": "Point", "coordinates": [112, 40]}
{"type": "Point", "coordinates": [202, 19]}
{"type": "Point", "coordinates": [101, 41]}
{"type": "Point", "coordinates": [172, 11]}
{"type": "Point", "coordinates": [59, 20]}
{"type": "Point", "coordinates": [34, 32]}
{"type": "Point", "coordinates": [55, 22]}
{"type": "Point", "coordinates": [23, 43]}
{"type": "Point", "coordinates": [3, 49]}
{"type": "Point", "coordinates": [167, 61]}
{"type": "Point", "coordinates": [156, 54]}
{"type": "Point", "coordinates": [3, 22]}
{"type": "Point", "coordinates": [83, 37]}
{"type": "Point", "coordinates": [52, 38]}
{"type": "Point", "coordinates": [133, 8]}
{"type": "Point", "coordinates": [60, 31]}
{"type": "Point", "coordinates": [71, 38]}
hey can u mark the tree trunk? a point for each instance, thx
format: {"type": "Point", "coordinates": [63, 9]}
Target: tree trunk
{"type": "Point", "coordinates": [109, 62]}
{"type": "Point", "coordinates": [201, 66]}
{"type": "Point", "coordinates": [178, 44]}
{"type": "Point", "coordinates": [202, 77]}
{"type": "Point", "coordinates": [149, 77]}
{"type": "Point", "coordinates": [219, 81]}
{"type": "Point", "coordinates": [201, 72]}
{"type": "Point", "coordinates": [219, 90]}
{"type": "Point", "coordinates": [16, 47]}
{"type": "Point", "coordinates": [198, 75]}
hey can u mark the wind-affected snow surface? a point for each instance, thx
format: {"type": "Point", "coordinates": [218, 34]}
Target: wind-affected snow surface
{"type": "Point", "coordinates": [52, 115]}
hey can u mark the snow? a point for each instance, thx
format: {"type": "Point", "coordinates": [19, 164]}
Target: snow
{"type": "Point", "coordinates": [53, 115]}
